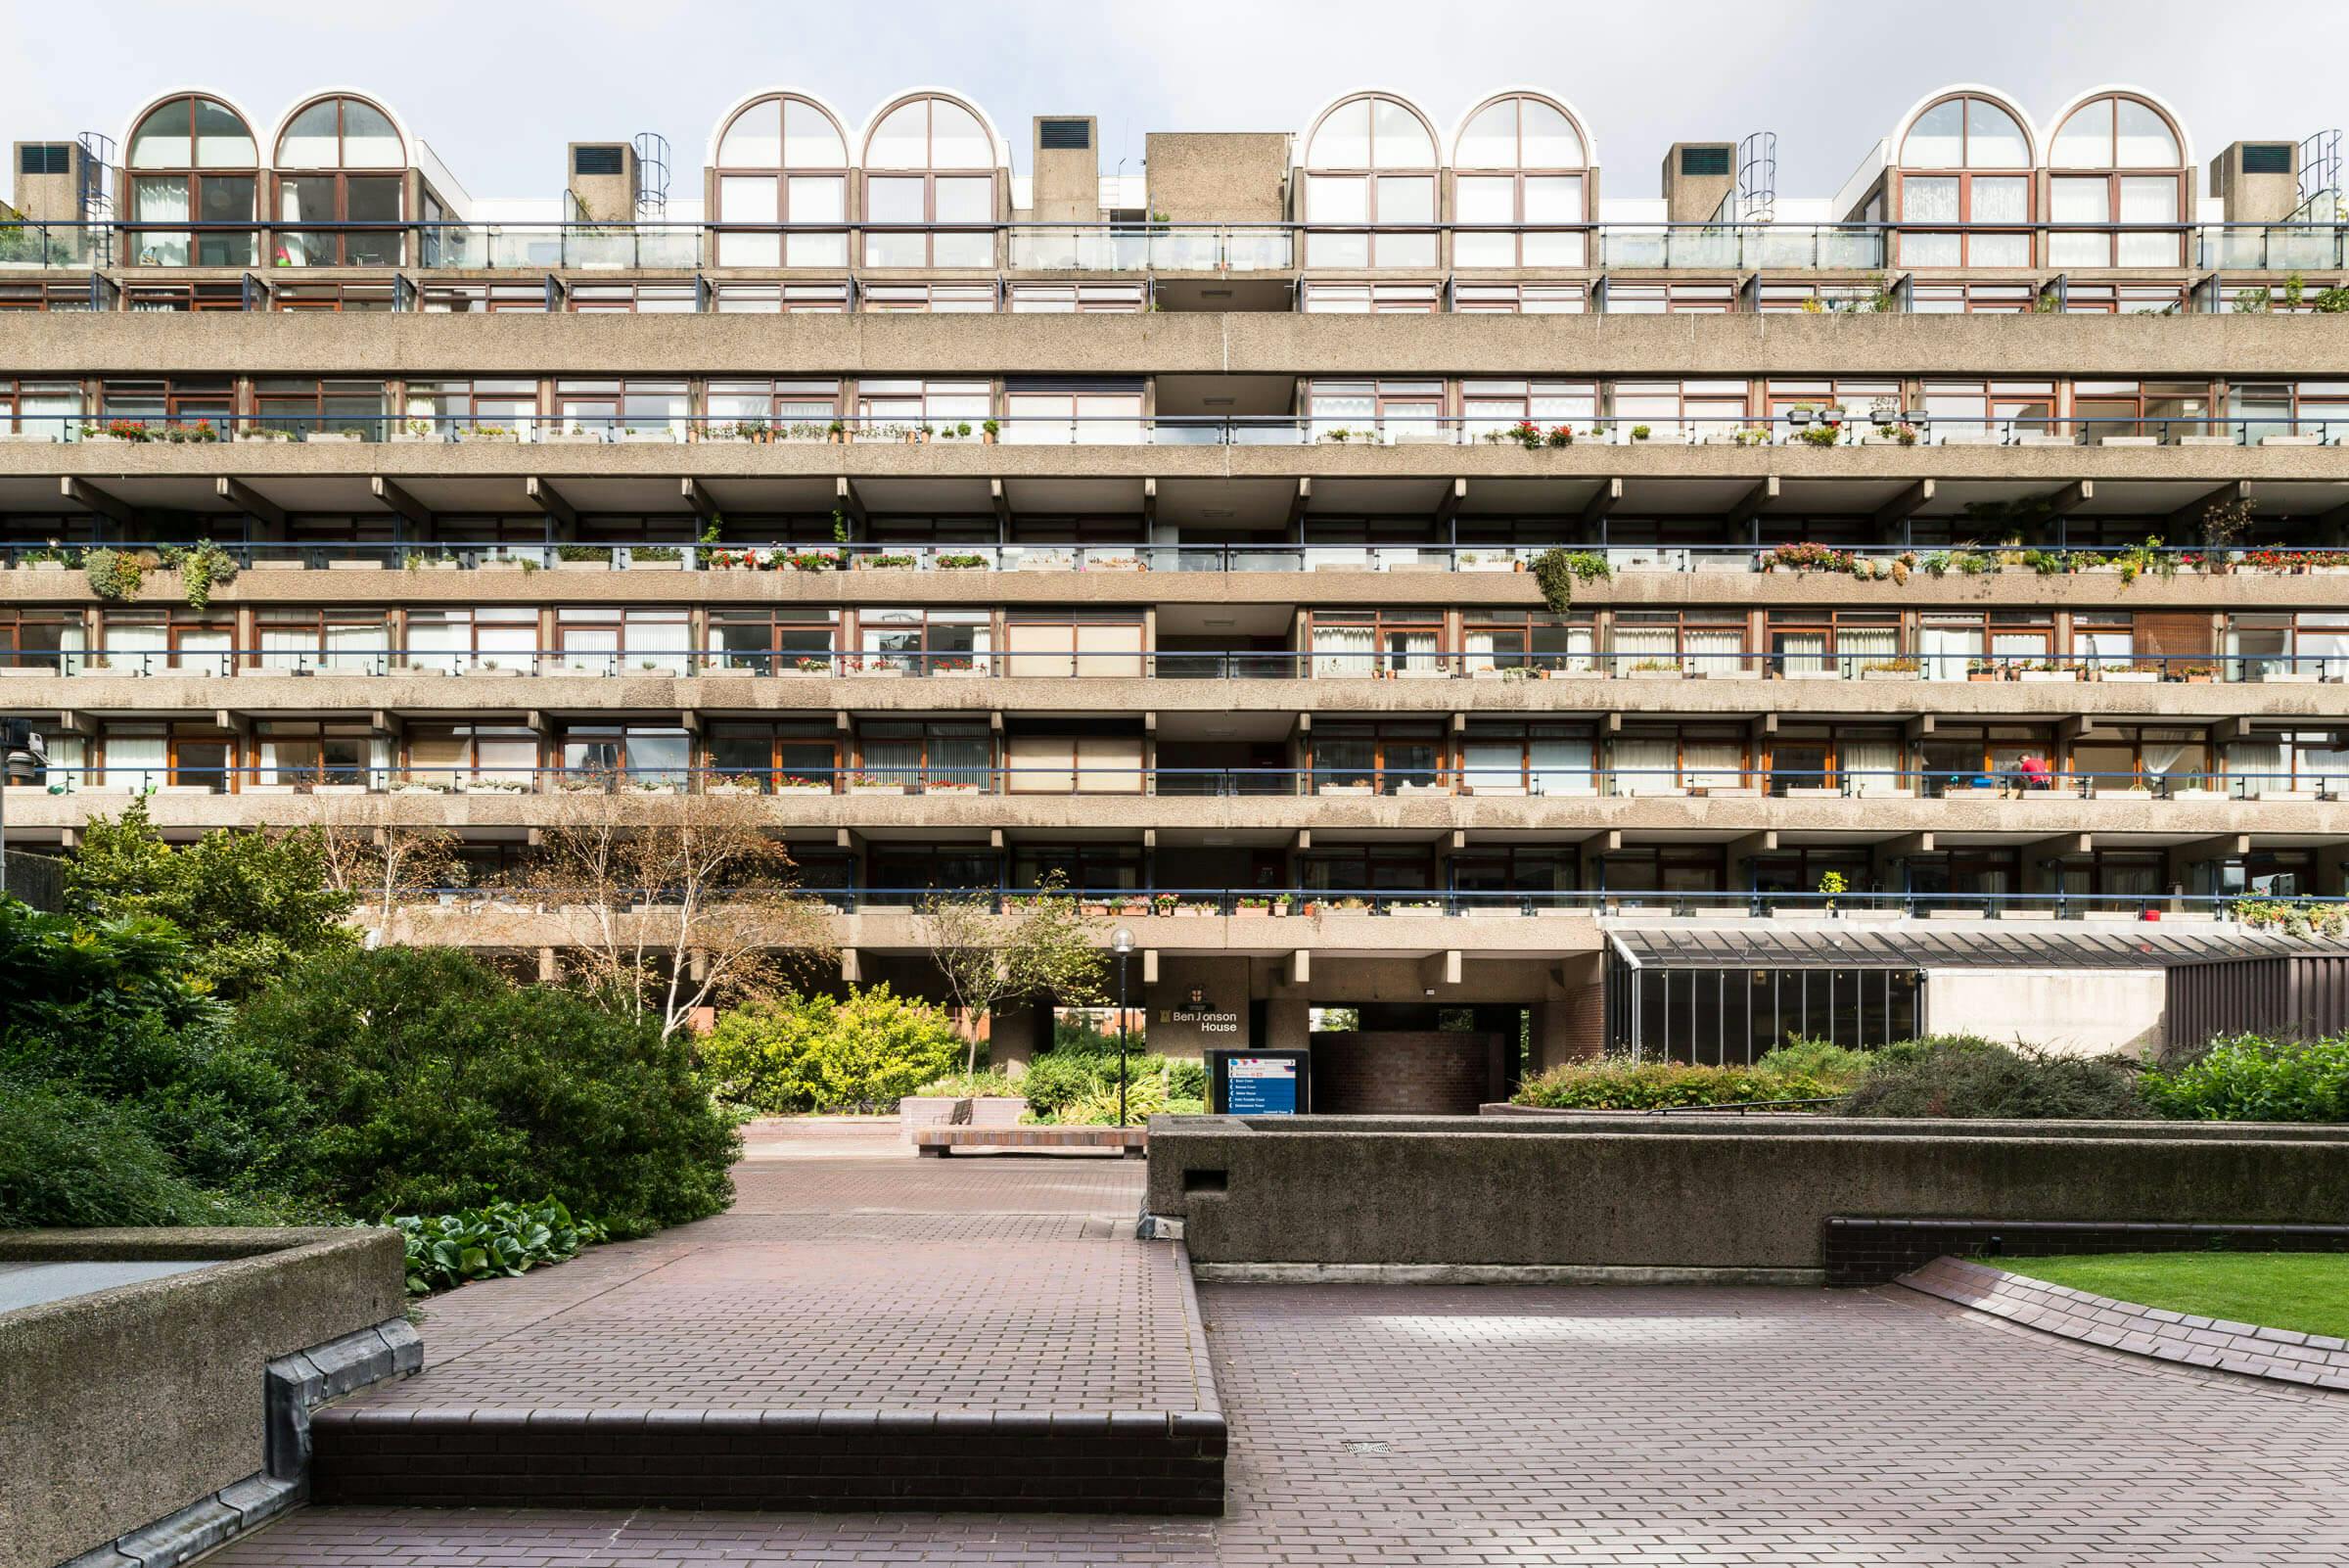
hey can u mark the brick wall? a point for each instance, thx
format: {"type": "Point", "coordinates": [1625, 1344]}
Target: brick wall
{"type": "Point", "coordinates": [1398, 1073]}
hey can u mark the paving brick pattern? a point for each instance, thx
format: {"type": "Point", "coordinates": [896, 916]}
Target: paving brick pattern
{"type": "Point", "coordinates": [2286, 1355]}
{"type": "Point", "coordinates": [1519, 1425]}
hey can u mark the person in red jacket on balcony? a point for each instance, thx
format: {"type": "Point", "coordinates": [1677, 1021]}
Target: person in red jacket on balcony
{"type": "Point", "coordinates": [2033, 768]}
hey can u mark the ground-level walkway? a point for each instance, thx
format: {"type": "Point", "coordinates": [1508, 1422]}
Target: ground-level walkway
{"type": "Point", "coordinates": [1489, 1425]}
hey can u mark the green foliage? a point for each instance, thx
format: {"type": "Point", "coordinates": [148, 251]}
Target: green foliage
{"type": "Point", "coordinates": [2249, 1078]}
{"type": "Point", "coordinates": [791, 1053]}
{"type": "Point", "coordinates": [502, 1239]}
{"type": "Point", "coordinates": [114, 575]}
{"type": "Point", "coordinates": [69, 1160]}
{"type": "Point", "coordinates": [1817, 1059]}
{"type": "Point", "coordinates": [1619, 1084]}
{"type": "Point", "coordinates": [1959, 1075]}
{"type": "Point", "coordinates": [202, 566]}
{"type": "Point", "coordinates": [436, 1085]}
{"type": "Point", "coordinates": [1556, 572]}
{"type": "Point", "coordinates": [250, 904]}
{"type": "Point", "coordinates": [2303, 1291]}
{"type": "Point", "coordinates": [1076, 1085]}
{"type": "Point", "coordinates": [988, 1083]}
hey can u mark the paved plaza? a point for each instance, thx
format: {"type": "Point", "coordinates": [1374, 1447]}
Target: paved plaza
{"type": "Point", "coordinates": [1484, 1425]}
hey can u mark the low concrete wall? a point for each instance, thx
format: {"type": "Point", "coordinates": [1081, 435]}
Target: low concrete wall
{"type": "Point", "coordinates": [125, 1406]}
{"type": "Point", "coordinates": [1683, 1193]}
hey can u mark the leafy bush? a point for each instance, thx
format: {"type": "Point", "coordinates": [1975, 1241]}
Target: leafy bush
{"type": "Point", "coordinates": [822, 1054]}
{"type": "Point", "coordinates": [68, 1159]}
{"type": "Point", "coordinates": [496, 1238]}
{"type": "Point", "coordinates": [2250, 1078]}
{"type": "Point", "coordinates": [1058, 1080]}
{"type": "Point", "coordinates": [436, 1085]}
{"type": "Point", "coordinates": [1618, 1083]}
{"type": "Point", "coordinates": [1816, 1058]}
{"type": "Point", "coordinates": [988, 1081]}
{"type": "Point", "coordinates": [1959, 1075]}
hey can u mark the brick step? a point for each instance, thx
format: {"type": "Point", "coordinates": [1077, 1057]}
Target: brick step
{"type": "Point", "coordinates": [829, 1460]}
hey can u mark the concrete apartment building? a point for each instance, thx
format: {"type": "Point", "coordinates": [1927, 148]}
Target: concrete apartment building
{"type": "Point", "coordinates": [1195, 534]}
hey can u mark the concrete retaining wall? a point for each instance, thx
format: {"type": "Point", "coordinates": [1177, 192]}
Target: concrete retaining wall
{"type": "Point", "coordinates": [1679, 1194]}
{"type": "Point", "coordinates": [125, 1406]}
{"type": "Point", "coordinates": [2080, 1012]}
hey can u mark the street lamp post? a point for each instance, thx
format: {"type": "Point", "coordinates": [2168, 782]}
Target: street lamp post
{"type": "Point", "coordinates": [1120, 942]}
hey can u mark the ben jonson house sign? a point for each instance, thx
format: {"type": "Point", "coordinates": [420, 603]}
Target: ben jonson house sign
{"type": "Point", "coordinates": [1199, 1015]}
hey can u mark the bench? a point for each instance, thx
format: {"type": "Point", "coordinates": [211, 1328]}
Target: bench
{"type": "Point", "coordinates": [939, 1141]}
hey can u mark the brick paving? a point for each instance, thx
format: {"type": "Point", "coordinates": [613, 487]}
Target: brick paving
{"type": "Point", "coordinates": [1509, 1425]}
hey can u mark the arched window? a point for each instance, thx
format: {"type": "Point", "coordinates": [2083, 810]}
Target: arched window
{"type": "Point", "coordinates": [929, 160]}
{"type": "Point", "coordinates": [2116, 158]}
{"type": "Point", "coordinates": [191, 160]}
{"type": "Point", "coordinates": [323, 160]}
{"type": "Point", "coordinates": [782, 159]}
{"type": "Point", "coordinates": [1522, 160]}
{"type": "Point", "coordinates": [1370, 186]}
{"type": "Point", "coordinates": [1966, 159]}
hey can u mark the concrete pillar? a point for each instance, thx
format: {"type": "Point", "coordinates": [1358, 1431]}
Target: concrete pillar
{"type": "Point", "coordinates": [1287, 1024]}
{"type": "Point", "coordinates": [1016, 1034]}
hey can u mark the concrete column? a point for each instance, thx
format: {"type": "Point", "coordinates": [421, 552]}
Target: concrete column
{"type": "Point", "coordinates": [1287, 1024]}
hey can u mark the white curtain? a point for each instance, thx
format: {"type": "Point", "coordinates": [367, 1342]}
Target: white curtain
{"type": "Point", "coordinates": [1712, 763]}
{"type": "Point", "coordinates": [1345, 651]}
{"type": "Point", "coordinates": [1560, 764]}
{"type": "Point", "coordinates": [1639, 645]}
{"type": "Point", "coordinates": [135, 649]}
{"type": "Point", "coordinates": [1716, 651]}
{"type": "Point", "coordinates": [1493, 767]}
{"type": "Point", "coordinates": [1804, 653]}
{"type": "Point", "coordinates": [2258, 765]}
{"type": "Point", "coordinates": [439, 644]}
{"type": "Point", "coordinates": [135, 763]}
{"type": "Point", "coordinates": [1415, 654]}
{"type": "Point", "coordinates": [1857, 647]}
{"type": "Point", "coordinates": [1644, 767]}
{"type": "Point", "coordinates": [1948, 650]}
{"type": "Point", "coordinates": [358, 649]}
{"type": "Point", "coordinates": [1480, 651]}
{"type": "Point", "coordinates": [662, 643]}
{"type": "Point", "coordinates": [1871, 766]}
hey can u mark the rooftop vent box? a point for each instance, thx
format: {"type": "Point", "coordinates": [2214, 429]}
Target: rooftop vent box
{"type": "Point", "coordinates": [596, 159]}
{"type": "Point", "coordinates": [45, 157]}
{"type": "Point", "coordinates": [1065, 135]}
{"type": "Point", "coordinates": [2267, 158]}
{"type": "Point", "coordinates": [1698, 162]}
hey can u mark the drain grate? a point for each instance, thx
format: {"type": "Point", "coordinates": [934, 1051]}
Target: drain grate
{"type": "Point", "coordinates": [1364, 1448]}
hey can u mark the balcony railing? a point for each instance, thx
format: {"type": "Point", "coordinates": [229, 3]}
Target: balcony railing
{"type": "Point", "coordinates": [1557, 781]}
{"type": "Point", "coordinates": [676, 427]}
{"type": "Point", "coordinates": [1188, 664]}
{"type": "Point", "coordinates": [1114, 248]}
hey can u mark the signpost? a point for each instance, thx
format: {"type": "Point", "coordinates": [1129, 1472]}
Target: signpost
{"type": "Point", "coordinates": [1247, 1082]}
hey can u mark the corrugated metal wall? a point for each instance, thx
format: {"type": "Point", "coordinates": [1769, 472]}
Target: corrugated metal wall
{"type": "Point", "coordinates": [2292, 997]}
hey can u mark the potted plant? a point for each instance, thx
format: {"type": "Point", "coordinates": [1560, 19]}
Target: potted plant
{"type": "Point", "coordinates": [1163, 904]}
{"type": "Point", "coordinates": [1981, 670]}
{"type": "Point", "coordinates": [1251, 907]}
{"type": "Point", "coordinates": [958, 562]}
{"type": "Point", "coordinates": [989, 431]}
{"type": "Point", "coordinates": [1640, 433]}
{"type": "Point", "coordinates": [1890, 669]}
{"type": "Point", "coordinates": [873, 784]}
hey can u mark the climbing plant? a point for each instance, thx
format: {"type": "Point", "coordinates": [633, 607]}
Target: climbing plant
{"type": "Point", "coordinates": [1556, 572]}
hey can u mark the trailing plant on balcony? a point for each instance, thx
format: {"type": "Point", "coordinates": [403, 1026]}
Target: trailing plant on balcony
{"type": "Point", "coordinates": [114, 575]}
{"type": "Point", "coordinates": [582, 552]}
{"type": "Point", "coordinates": [1807, 557]}
{"type": "Point", "coordinates": [1751, 435]}
{"type": "Point", "coordinates": [811, 561]}
{"type": "Point", "coordinates": [884, 563]}
{"type": "Point", "coordinates": [1819, 435]}
{"type": "Point", "coordinates": [1556, 571]}
{"type": "Point", "coordinates": [2135, 559]}
{"type": "Point", "coordinates": [1559, 435]}
{"type": "Point", "coordinates": [961, 562]}
{"type": "Point", "coordinates": [200, 565]}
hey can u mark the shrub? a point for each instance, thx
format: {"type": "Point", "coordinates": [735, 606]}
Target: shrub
{"type": "Point", "coordinates": [821, 1054]}
{"type": "Point", "coordinates": [68, 1159]}
{"type": "Point", "coordinates": [1059, 1081]}
{"type": "Point", "coordinates": [498, 1239]}
{"type": "Point", "coordinates": [1816, 1058]}
{"type": "Point", "coordinates": [1618, 1083]}
{"type": "Point", "coordinates": [987, 1083]}
{"type": "Point", "coordinates": [1959, 1076]}
{"type": "Point", "coordinates": [436, 1085]}
{"type": "Point", "coordinates": [2250, 1078]}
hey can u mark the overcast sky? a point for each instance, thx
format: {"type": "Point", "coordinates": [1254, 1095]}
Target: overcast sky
{"type": "Point", "coordinates": [497, 87]}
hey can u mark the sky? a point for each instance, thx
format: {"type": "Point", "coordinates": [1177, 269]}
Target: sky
{"type": "Point", "coordinates": [499, 87]}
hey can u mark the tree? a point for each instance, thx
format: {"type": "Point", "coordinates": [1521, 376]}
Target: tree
{"type": "Point", "coordinates": [1041, 944]}
{"type": "Point", "coordinates": [248, 902]}
{"type": "Point", "coordinates": [385, 867]}
{"type": "Point", "coordinates": [788, 1053]}
{"type": "Point", "coordinates": [676, 902]}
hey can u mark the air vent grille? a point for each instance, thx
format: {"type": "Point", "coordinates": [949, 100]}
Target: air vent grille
{"type": "Point", "coordinates": [1065, 135]}
{"type": "Point", "coordinates": [1705, 161]}
{"type": "Point", "coordinates": [45, 157]}
{"type": "Point", "coordinates": [596, 159]}
{"type": "Point", "coordinates": [2267, 158]}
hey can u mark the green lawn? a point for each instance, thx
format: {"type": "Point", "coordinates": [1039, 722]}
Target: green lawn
{"type": "Point", "coordinates": [2307, 1291]}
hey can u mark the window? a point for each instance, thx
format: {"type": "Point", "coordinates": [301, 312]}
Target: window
{"type": "Point", "coordinates": [1103, 413]}
{"type": "Point", "coordinates": [729, 297]}
{"type": "Point", "coordinates": [2256, 410]}
{"type": "Point", "coordinates": [2116, 758]}
{"type": "Point", "coordinates": [1846, 760]}
{"type": "Point", "coordinates": [784, 410]}
{"type": "Point", "coordinates": [177, 297]}
{"type": "Point", "coordinates": [639, 757]}
{"type": "Point", "coordinates": [1941, 181]}
{"type": "Point", "coordinates": [888, 409]}
{"type": "Point", "coordinates": [923, 753]}
{"type": "Point", "coordinates": [1368, 869]}
{"type": "Point", "coordinates": [440, 407]}
{"type": "Point", "coordinates": [782, 166]}
{"type": "Point", "coordinates": [1488, 873]}
{"type": "Point", "coordinates": [339, 297]}
{"type": "Point", "coordinates": [1520, 299]}
{"type": "Point", "coordinates": [925, 642]}
{"type": "Point", "coordinates": [609, 407]}
{"type": "Point", "coordinates": [340, 406]}
{"type": "Point", "coordinates": [935, 205]}
{"type": "Point", "coordinates": [1501, 640]}
{"type": "Point", "coordinates": [1371, 298]}
{"type": "Point", "coordinates": [467, 756]}
{"type": "Point", "coordinates": [2124, 298]}
{"type": "Point", "coordinates": [793, 757]}
{"type": "Point", "coordinates": [1395, 410]}
{"type": "Point", "coordinates": [1048, 643]}
{"type": "Point", "coordinates": [932, 298]}
{"type": "Point", "coordinates": [677, 299]}
{"type": "Point", "coordinates": [1076, 298]}
{"type": "Point", "coordinates": [352, 642]}
{"type": "Point", "coordinates": [2139, 177]}
{"type": "Point", "coordinates": [1506, 758]}
{"type": "Point", "coordinates": [1370, 171]}
{"type": "Point", "coordinates": [51, 408]}
{"type": "Point", "coordinates": [1665, 759]}
{"type": "Point", "coordinates": [307, 754]}
{"type": "Point", "coordinates": [2312, 645]}
{"type": "Point", "coordinates": [1988, 410]}
{"type": "Point", "coordinates": [1082, 758]}
{"type": "Point", "coordinates": [56, 296]}
{"type": "Point", "coordinates": [183, 402]}
{"type": "Point", "coordinates": [779, 642]}
{"type": "Point", "coordinates": [322, 142]}
{"type": "Point", "coordinates": [1980, 757]}
{"type": "Point", "coordinates": [493, 637]}
{"type": "Point", "coordinates": [1397, 759]}
{"type": "Point", "coordinates": [467, 299]}
{"type": "Point", "coordinates": [1973, 299]}
{"type": "Point", "coordinates": [1828, 643]}
{"type": "Point", "coordinates": [1359, 644]}
{"type": "Point", "coordinates": [1081, 868]}
{"type": "Point", "coordinates": [2154, 410]}
{"type": "Point", "coordinates": [192, 161]}
{"type": "Point", "coordinates": [1713, 298]}
{"type": "Point", "coordinates": [41, 640]}
{"type": "Point", "coordinates": [1679, 410]}
{"type": "Point", "coordinates": [1953, 645]}
{"type": "Point", "coordinates": [1862, 400]}
{"type": "Point", "coordinates": [190, 758]}
{"type": "Point", "coordinates": [1520, 164]}
{"type": "Point", "coordinates": [598, 641]}
{"type": "Point", "coordinates": [1495, 407]}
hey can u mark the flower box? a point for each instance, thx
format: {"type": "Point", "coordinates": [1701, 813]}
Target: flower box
{"type": "Point", "coordinates": [1342, 789]}
{"type": "Point", "coordinates": [2283, 795]}
{"type": "Point", "coordinates": [639, 565]}
{"type": "Point", "coordinates": [657, 438]}
{"type": "Point", "coordinates": [2197, 792]}
{"type": "Point", "coordinates": [1653, 675]}
{"type": "Point", "coordinates": [875, 671]}
{"type": "Point", "coordinates": [355, 566]}
{"type": "Point", "coordinates": [1416, 909]}
{"type": "Point", "coordinates": [1421, 789]}
{"type": "Point", "coordinates": [338, 789]}
{"type": "Point", "coordinates": [2120, 792]}
{"type": "Point", "coordinates": [572, 438]}
{"type": "Point", "coordinates": [334, 438]}
{"type": "Point", "coordinates": [1728, 672]}
{"type": "Point", "coordinates": [2286, 677]}
{"type": "Point", "coordinates": [490, 669]}
{"type": "Point", "coordinates": [505, 437]}
{"type": "Point", "coordinates": [2129, 440]}
{"type": "Point", "coordinates": [1810, 674]}
{"type": "Point", "coordinates": [2291, 441]}
{"type": "Point", "coordinates": [2129, 677]}
{"type": "Point", "coordinates": [27, 438]}
{"type": "Point", "coordinates": [601, 564]}
{"type": "Point", "coordinates": [1812, 792]}
{"type": "Point", "coordinates": [2041, 438]}
{"type": "Point", "coordinates": [2048, 677]}
{"type": "Point", "coordinates": [876, 789]}
{"type": "Point", "coordinates": [1892, 674]}
{"type": "Point", "coordinates": [821, 787]}
{"type": "Point", "coordinates": [728, 786]}
{"type": "Point", "coordinates": [41, 566]}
